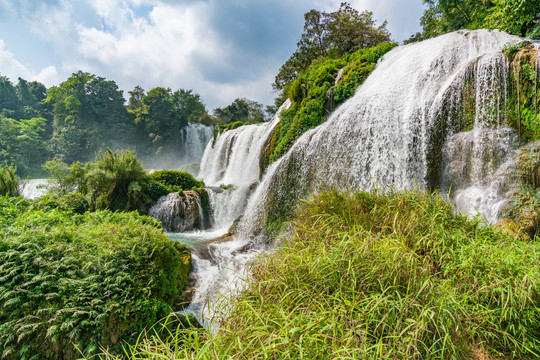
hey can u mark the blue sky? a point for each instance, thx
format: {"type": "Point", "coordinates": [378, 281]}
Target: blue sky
{"type": "Point", "coordinates": [222, 49]}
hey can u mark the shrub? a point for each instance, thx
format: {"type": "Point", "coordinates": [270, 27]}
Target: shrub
{"type": "Point", "coordinates": [73, 282]}
{"type": "Point", "coordinates": [9, 181]}
{"type": "Point", "coordinates": [177, 180]}
{"type": "Point", "coordinates": [76, 202]}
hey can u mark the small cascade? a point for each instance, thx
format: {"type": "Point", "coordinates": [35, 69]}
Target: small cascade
{"type": "Point", "coordinates": [179, 212]}
{"type": "Point", "coordinates": [233, 160]}
{"type": "Point", "coordinates": [193, 140]}
{"type": "Point", "coordinates": [478, 165]}
{"type": "Point", "coordinates": [33, 188]}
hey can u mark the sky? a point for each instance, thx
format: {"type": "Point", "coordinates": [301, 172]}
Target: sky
{"type": "Point", "coordinates": [221, 49]}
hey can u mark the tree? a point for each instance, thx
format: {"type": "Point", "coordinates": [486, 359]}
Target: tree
{"type": "Point", "coordinates": [331, 34]}
{"type": "Point", "coordinates": [243, 110]}
{"type": "Point", "coordinates": [188, 105]}
{"type": "Point", "coordinates": [88, 112]}
{"type": "Point", "coordinates": [517, 17]}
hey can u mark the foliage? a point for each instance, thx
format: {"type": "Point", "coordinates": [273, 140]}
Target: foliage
{"type": "Point", "coordinates": [331, 34]}
{"type": "Point", "coordinates": [88, 112]}
{"type": "Point", "coordinates": [373, 276]}
{"type": "Point", "coordinates": [9, 182]}
{"type": "Point", "coordinates": [159, 115]}
{"type": "Point", "coordinates": [314, 94]}
{"type": "Point", "coordinates": [240, 110]}
{"type": "Point", "coordinates": [76, 202]}
{"type": "Point", "coordinates": [115, 181]}
{"type": "Point", "coordinates": [524, 100]}
{"type": "Point", "coordinates": [518, 17]}
{"type": "Point", "coordinates": [524, 205]}
{"type": "Point", "coordinates": [82, 281]}
{"type": "Point", "coordinates": [176, 180]}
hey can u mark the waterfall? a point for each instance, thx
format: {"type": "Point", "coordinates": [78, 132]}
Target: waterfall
{"type": "Point", "coordinates": [193, 140]}
{"type": "Point", "coordinates": [432, 115]}
{"type": "Point", "coordinates": [33, 188]}
{"type": "Point", "coordinates": [392, 132]}
{"type": "Point", "coordinates": [234, 159]}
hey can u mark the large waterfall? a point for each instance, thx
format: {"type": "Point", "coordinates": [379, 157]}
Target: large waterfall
{"type": "Point", "coordinates": [406, 127]}
{"type": "Point", "coordinates": [233, 159]}
{"type": "Point", "coordinates": [399, 125]}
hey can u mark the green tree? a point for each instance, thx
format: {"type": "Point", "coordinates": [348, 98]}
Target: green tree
{"type": "Point", "coordinates": [188, 105]}
{"type": "Point", "coordinates": [517, 17]}
{"type": "Point", "coordinates": [88, 112]}
{"type": "Point", "coordinates": [331, 34]}
{"type": "Point", "coordinates": [240, 110]}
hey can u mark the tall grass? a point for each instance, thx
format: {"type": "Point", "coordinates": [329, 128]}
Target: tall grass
{"type": "Point", "coordinates": [373, 276]}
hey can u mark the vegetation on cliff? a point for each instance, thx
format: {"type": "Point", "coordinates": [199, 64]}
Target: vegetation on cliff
{"type": "Point", "coordinates": [71, 283]}
{"type": "Point", "coordinates": [517, 17]}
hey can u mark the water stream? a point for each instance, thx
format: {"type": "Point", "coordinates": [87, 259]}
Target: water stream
{"type": "Point", "coordinates": [404, 128]}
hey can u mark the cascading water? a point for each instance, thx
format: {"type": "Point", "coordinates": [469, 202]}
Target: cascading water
{"type": "Point", "coordinates": [234, 159]}
{"type": "Point", "coordinates": [392, 132]}
{"type": "Point", "coordinates": [34, 188]}
{"type": "Point", "coordinates": [193, 140]}
{"type": "Point", "coordinates": [408, 126]}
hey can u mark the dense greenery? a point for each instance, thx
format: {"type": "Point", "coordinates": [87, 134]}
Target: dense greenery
{"type": "Point", "coordinates": [73, 283]}
{"type": "Point", "coordinates": [176, 180]}
{"type": "Point", "coordinates": [518, 17]}
{"type": "Point", "coordinates": [9, 182]}
{"type": "Point", "coordinates": [72, 121]}
{"type": "Point", "coordinates": [331, 34]}
{"type": "Point", "coordinates": [422, 282]}
{"type": "Point", "coordinates": [115, 181]}
{"type": "Point", "coordinates": [314, 94]}
{"type": "Point", "coordinates": [524, 99]}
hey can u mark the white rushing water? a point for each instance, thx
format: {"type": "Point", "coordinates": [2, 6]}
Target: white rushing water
{"type": "Point", "coordinates": [384, 135]}
{"type": "Point", "coordinates": [193, 140]}
{"type": "Point", "coordinates": [400, 130]}
{"type": "Point", "coordinates": [234, 159]}
{"type": "Point", "coordinates": [33, 188]}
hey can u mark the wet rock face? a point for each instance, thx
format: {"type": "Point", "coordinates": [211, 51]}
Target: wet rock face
{"type": "Point", "coordinates": [180, 212]}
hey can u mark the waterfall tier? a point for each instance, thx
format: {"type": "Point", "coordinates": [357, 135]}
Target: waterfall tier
{"type": "Point", "coordinates": [392, 132]}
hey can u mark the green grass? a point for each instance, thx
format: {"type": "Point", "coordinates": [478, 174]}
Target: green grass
{"type": "Point", "coordinates": [374, 276]}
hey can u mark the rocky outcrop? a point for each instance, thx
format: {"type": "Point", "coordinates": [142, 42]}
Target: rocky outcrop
{"type": "Point", "coordinates": [179, 212]}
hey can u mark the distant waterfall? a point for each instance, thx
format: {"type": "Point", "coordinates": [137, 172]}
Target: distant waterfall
{"type": "Point", "coordinates": [33, 188]}
{"type": "Point", "coordinates": [193, 140]}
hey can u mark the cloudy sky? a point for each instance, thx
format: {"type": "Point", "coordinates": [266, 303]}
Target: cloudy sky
{"type": "Point", "coordinates": [222, 49]}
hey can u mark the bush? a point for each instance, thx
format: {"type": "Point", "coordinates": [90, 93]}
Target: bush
{"type": "Point", "coordinates": [76, 202]}
{"type": "Point", "coordinates": [176, 180]}
{"type": "Point", "coordinates": [314, 94]}
{"type": "Point", "coordinates": [9, 181]}
{"type": "Point", "coordinates": [73, 282]}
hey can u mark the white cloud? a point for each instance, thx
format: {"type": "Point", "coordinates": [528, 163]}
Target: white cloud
{"type": "Point", "coordinates": [47, 76]}
{"type": "Point", "coordinates": [13, 69]}
{"type": "Point", "coordinates": [9, 66]}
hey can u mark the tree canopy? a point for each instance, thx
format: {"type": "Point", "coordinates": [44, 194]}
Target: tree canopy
{"type": "Point", "coordinates": [331, 34]}
{"type": "Point", "coordinates": [517, 17]}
